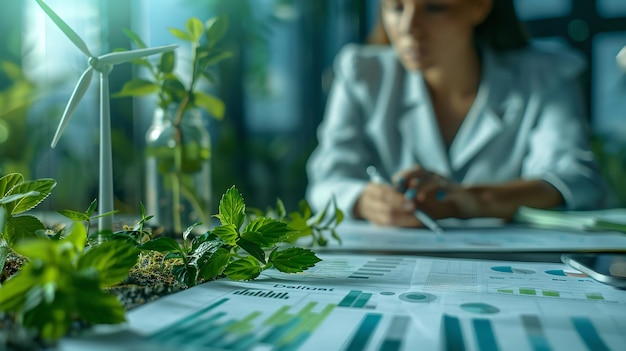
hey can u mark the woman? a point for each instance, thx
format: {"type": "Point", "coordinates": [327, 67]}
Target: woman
{"type": "Point", "coordinates": [461, 112]}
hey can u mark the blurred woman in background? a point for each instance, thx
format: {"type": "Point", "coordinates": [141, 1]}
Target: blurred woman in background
{"type": "Point", "coordinates": [463, 115]}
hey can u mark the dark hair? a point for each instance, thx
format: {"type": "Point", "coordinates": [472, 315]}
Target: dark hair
{"type": "Point", "coordinates": [502, 30]}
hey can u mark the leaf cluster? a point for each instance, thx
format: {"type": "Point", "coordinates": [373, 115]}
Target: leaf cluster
{"type": "Point", "coordinates": [62, 282]}
{"type": "Point", "coordinates": [236, 249]}
{"type": "Point", "coordinates": [167, 84]}
{"type": "Point", "coordinates": [16, 197]}
{"type": "Point", "coordinates": [305, 223]}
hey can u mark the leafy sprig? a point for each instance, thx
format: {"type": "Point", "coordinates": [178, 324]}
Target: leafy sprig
{"type": "Point", "coordinates": [170, 87]}
{"type": "Point", "coordinates": [305, 223]}
{"type": "Point", "coordinates": [16, 197]}
{"type": "Point", "coordinates": [235, 249]}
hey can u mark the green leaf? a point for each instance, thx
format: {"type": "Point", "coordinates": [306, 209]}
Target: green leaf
{"type": "Point", "coordinates": [172, 255]}
{"type": "Point", "coordinates": [94, 305]}
{"type": "Point", "coordinates": [266, 231]}
{"type": "Point", "coordinates": [214, 106]}
{"type": "Point", "coordinates": [4, 253]}
{"type": "Point", "coordinates": [22, 227]}
{"type": "Point", "coordinates": [167, 62]}
{"type": "Point", "coordinates": [253, 249]}
{"type": "Point", "coordinates": [228, 233]}
{"type": "Point", "coordinates": [74, 215]}
{"type": "Point", "coordinates": [174, 88]}
{"type": "Point", "coordinates": [280, 209]}
{"type": "Point", "coordinates": [208, 57]}
{"type": "Point", "coordinates": [186, 274]}
{"type": "Point", "coordinates": [137, 87]}
{"type": "Point", "coordinates": [189, 229]}
{"type": "Point", "coordinates": [338, 214]}
{"type": "Point", "coordinates": [92, 207]}
{"type": "Point", "coordinates": [13, 198]}
{"type": "Point", "coordinates": [246, 268]}
{"type": "Point", "coordinates": [13, 291]}
{"type": "Point", "coordinates": [305, 209]}
{"type": "Point", "coordinates": [232, 209]}
{"type": "Point", "coordinates": [180, 34]}
{"type": "Point", "coordinates": [77, 237]}
{"type": "Point", "coordinates": [42, 186]}
{"type": "Point", "coordinates": [333, 232]}
{"type": "Point", "coordinates": [161, 244]}
{"type": "Point", "coordinates": [293, 260]}
{"type": "Point", "coordinates": [8, 182]}
{"type": "Point", "coordinates": [213, 265]}
{"type": "Point", "coordinates": [216, 29]}
{"type": "Point", "coordinates": [112, 259]}
{"type": "Point", "coordinates": [134, 37]}
{"type": "Point", "coordinates": [194, 28]}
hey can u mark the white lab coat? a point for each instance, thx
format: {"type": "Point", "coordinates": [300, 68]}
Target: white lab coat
{"type": "Point", "coordinates": [526, 122]}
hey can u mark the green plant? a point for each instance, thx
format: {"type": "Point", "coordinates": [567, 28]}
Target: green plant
{"type": "Point", "coordinates": [305, 223]}
{"type": "Point", "coordinates": [219, 251]}
{"type": "Point", "coordinates": [62, 282]}
{"type": "Point", "coordinates": [178, 153]}
{"type": "Point", "coordinates": [16, 197]}
{"type": "Point", "coordinates": [169, 87]}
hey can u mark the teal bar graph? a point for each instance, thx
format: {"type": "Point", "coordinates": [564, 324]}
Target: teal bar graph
{"type": "Point", "coordinates": [535, 334]}
{"type": "Point", "coordinates": [484, 335]}
{"type": "Point", "coordinates": [361, 337]}
{"type": "Point", "coordinates": [173, 329]}
{"type": "Point", "coordinates": [589, 334]}
{"type": "Point", "coordinates": [396, 332]}
{"type": "Point", "coordinates": [349, 299]}
{"type": "Point", "coordinates": [355, 298]}
{"type": "Point", "coordinates": [452, 334]}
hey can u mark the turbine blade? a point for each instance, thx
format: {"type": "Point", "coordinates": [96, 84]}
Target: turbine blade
{"type": "Point", "coordinates": [69, 32]}
{"type": "Point", "coordinates": [125, 56]}
{"type": "Point", "coordinates": [77, 95]}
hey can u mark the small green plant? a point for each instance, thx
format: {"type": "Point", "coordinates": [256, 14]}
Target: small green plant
{"type": "Point", "coordinates": [305, 223]}
{"type": "Point", "coordinates": [16, 197]}
{"type": "Point", "coordinates": [178, 149]}
{"type": "Point", "coordinates": [62, 282]}
{"type": "Point", "coordinates": [169, 87]}
{"type": "Point", "coordinates": [235, 249]}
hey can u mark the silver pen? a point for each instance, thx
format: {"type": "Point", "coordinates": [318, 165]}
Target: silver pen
{"type": "Point", "coordinates": [426, 220]}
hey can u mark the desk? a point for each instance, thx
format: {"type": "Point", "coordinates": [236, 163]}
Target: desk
{"type": "Point", "coordinates": [364, 300]}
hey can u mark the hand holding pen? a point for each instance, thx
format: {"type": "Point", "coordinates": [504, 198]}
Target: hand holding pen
{"type": "Point", "coordinates": [408, 194]}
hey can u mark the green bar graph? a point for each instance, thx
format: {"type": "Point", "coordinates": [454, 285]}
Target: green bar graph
{"type": "Point", "coordinates": [527, 291]}
{"type": "Point", "coordinates": [550, 293]}
{"type": "Point", "coordinates": [594, 296]}
{"type": "Point", "coordinates": [506, 291]}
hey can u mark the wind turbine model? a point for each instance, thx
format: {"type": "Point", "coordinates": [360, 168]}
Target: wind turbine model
{"type": "Point", "coordinates": [103, 65]}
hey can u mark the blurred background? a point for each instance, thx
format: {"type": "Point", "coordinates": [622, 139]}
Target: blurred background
{"type": "Point", "coordinates": [274, 88]}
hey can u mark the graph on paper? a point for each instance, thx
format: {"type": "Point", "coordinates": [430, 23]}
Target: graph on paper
{"type": "Point", "coordinates": [399, 303]}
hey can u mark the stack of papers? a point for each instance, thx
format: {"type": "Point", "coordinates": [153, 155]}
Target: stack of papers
{"type": "Point", "coordinates": [602, 220]}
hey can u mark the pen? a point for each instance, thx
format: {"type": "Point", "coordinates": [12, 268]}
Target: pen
{"type": "Point", "coordinates": [419, 214]}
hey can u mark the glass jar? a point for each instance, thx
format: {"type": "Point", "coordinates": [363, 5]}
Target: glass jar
{"type": "Point", "coordinates": [178, 171]}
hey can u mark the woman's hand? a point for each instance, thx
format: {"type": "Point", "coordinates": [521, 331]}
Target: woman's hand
{"type": "Point", "coordinates": [383, 205]}
{"type": "Point", "coordinates": [436, 195]}
{"type": "Point", "coordinates": [440, 197]}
